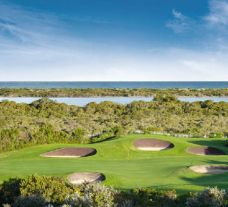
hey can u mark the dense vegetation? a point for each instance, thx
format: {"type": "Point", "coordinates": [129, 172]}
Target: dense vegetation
{"type": "Point", "coordinates": [45, 121]}
{"type": "Point", "coordinates": [41, 191]}
{"type": "Point", "coordinates": [94, 92]}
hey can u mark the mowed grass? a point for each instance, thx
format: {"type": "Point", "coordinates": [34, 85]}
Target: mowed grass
{"type": "Point", "coordinates": [124, 166]}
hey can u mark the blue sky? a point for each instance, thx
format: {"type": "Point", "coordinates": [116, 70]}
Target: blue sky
{"type": "Point", "coordinates": [113, 40]}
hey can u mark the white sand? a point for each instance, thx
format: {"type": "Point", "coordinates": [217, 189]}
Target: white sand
{"type": "Point", "coordinates": [62, 156]}
{"type": "Point", "coordinates": [151, 148]}
{"type": "Point", "coordinates": [85, 177]}
{"type": "Point", "coordinates": [210, 169]}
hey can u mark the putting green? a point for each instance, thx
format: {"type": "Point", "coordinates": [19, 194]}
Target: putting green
{"type": "Point", "coordinates": [123, 165]}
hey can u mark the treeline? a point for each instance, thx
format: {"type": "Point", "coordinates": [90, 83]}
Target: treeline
{"type": "Point", "coordinates": [42, 191]}
{"type": "Point", "coordinates": [45, 121]}
{"type": "Point", "coordinates": [97, 92]}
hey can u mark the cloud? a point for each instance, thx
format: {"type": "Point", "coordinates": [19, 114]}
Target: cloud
{"type": "Point", "coordinates": [179, 23]}
{"type": "Point", "coordinates": [218, 13]}
{"type": "Point", "coordinates": [38, 46]}
{"type": "Point", "coordinates": [214, 24]}
{"type": "Point", "coordinates": [178, 15]}
{"type": "Point", "coordinates": [207, 32]}
{"type": "Point", "coordinates": [11, 31]}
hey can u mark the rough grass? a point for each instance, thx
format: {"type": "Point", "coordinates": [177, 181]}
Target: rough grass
{"type": "Point", "coordinates": [124, 166]}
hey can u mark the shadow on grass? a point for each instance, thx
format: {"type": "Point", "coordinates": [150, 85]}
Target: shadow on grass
{"type": "Point", "coordinates": [184, 189]}
{"type": "Point", "coordinates": [210, 180]}
{"type": "Point", "coordinates": [219, 180]}
{"type": "Point", "coordinates": [220, 144]}
{"type": "Point", "coordinates": [216, 162]}
{"type": "Point", "coordinates": [104, 140]}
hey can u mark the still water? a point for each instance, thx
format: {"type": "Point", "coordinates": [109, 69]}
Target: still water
{"type": "Point", "coordinates": [82, 101]}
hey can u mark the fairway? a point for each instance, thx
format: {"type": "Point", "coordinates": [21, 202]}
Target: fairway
{"type": "Point", "coordinates": [123, 165]}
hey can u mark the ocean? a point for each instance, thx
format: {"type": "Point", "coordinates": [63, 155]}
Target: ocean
{"type": "Point", "coordinates": [103, 84]}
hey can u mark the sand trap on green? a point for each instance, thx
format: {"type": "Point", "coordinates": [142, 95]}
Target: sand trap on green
{"type": "Point", "coordinates": [85, 177]}
{"type": "Point", "coordinates": [122, 164]}
{"type": "Point", "coordinates": [70, 152]}
{"type": "Point", "coordinates": [151, 144]}
{"type": "Point", "coordinates": [205, 151]}
{"type": "Point", "coordinates": [210, 169]}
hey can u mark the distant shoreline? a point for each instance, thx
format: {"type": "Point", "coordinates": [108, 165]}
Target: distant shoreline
{"type": "Point", "coordinates": [109, 92]}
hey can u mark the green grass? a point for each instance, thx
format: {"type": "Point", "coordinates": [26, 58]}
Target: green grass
{"type": "Point", "coordinates": [124, 166]}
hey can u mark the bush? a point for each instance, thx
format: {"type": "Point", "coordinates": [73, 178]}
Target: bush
{"type": "Point", "coordinates": [53, 190]}
{"type": "Point", "coordinates": [151, 197]}
{"type": "Point", "coordinates": [29, 201]}
{"type": "Point", "coordinates": [9, 191]}
{"type": "Point", "coordinates": [45, 121]}
{"type": "Point", "coordinates": [80, 136]}
{"type": "Point", "coordinates": [9, 139]}
{"type": "Point", "coordinates": [118, 130]}
{"type": "Point", "coordinates": [43, 191]}
{"type": "Point", "coordinates": [98, 195]}
{"type": "Point", "coordinates": [216, 135]}
{"type": "Point", "coordinates": [165, 98]}
{"type": "Point", "coordinates": [211, 197]}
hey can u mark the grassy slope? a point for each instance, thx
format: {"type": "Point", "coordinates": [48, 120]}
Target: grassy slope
{"type": "Point", "coordinates": [123, 166]}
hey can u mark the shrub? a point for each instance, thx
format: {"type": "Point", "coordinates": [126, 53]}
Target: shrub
{"type": "Point", "coordinates": [216, 135]}
{"type": "Point", "coordinates": [9, 139]}
{"type": "Point", "coordinates": [53, 190]}
{"type": "Point", "coordinates": [43, 191]}
{"type": "Point", "coordinates": [80, 136]}
{"type": "Point", "coordinates": [29, 201]}
{"type": "Point", "coordinates": [118, 130]}
{"type": "Point", "coordinates": [211, 197]}
{"type": "Point", "coordinates": [45, 134]}
{"type": "Point", "coordinates": [9, 191]}
{"type": "Point", "coordinates": [98, 195]}
{"type": "Point", "coordinates": [151, 197]}
{"type": "Point", "coordinates": [165, 98]}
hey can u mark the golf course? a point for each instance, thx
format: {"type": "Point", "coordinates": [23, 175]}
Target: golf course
{"type": "Point", "coordinates": [123, 165]}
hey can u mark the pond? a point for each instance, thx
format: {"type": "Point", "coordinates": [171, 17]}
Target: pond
{"type": "Point", "coordinates": [82, 101]}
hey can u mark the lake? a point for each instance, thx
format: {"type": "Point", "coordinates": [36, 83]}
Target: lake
{"type": "Point", "coordinates": [82, 101]}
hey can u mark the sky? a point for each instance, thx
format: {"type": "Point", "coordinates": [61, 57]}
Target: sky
{"type": "Point", "coordinates": [113, 40]}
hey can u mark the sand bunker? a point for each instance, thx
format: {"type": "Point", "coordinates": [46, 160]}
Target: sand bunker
{"type": "Point", "coordinates": [85, 177]}
{"type": "Point", "coordinates": [71, 152]}
{"type": "Point", "coordinates": [210, 169]}
{"type": "Point", "coordinates": [151, 144]}
{"type": "Point", "coordinates": [205, 151]}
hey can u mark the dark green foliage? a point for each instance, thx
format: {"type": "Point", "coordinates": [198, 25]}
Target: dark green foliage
{"type": "Point", "coordinates": [45, 121]}
{"type": "Point", "coordinates": [42, 191]}
{"type": "Point", "coordinates": [54, 190]}
{"type": "Point", "coordinates": [9, 139]}
{"type": "Point", "coordinates": [211, 197]}
{"type": "Point", "coordinates": [45, 134]}
{"type": "Point", "coordinates": [9, 190]}
{"type": "Point", "coordinates": [80, 136]}
{"type": "Point", "coordinates": [98, 195]}
{"type": "Point", "coordinates": [118, 131]}
{"type": "Point", "coordinates": [165, 98]}
{"type": "Point", "coordinates": [78, 92]}
{"type": "Point", "coordinates": [154, 198]}
{"type": "Point", "coordinates": [42, 103]}
{"type": "Point", "coordinates": [30, 201]}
